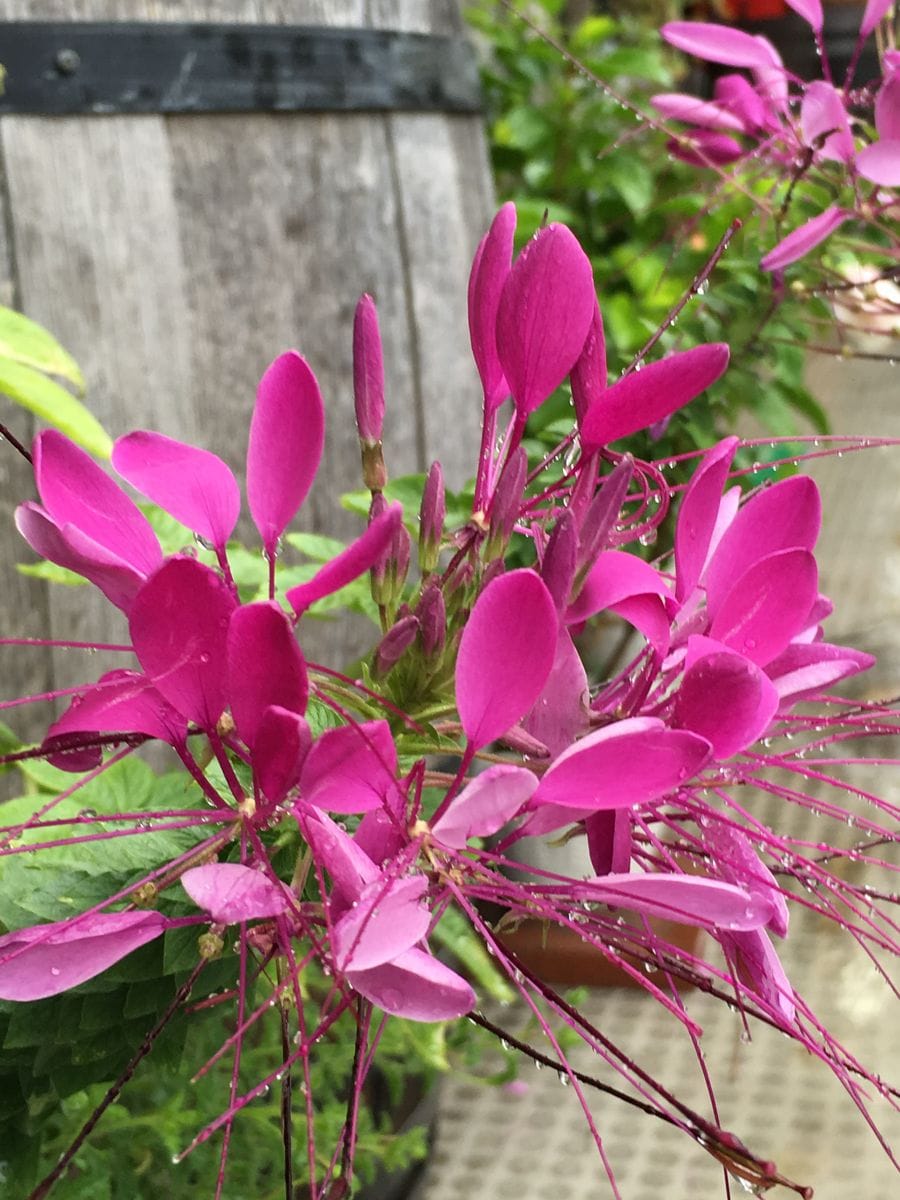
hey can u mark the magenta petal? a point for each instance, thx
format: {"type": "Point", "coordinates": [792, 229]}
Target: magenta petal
{"type": "Point", "coordinates": [609, 840]}
{"type": "Point", "coordinates": [810, 11]}
{"type": "Point", "coordinates": [631, 762]}
{"type": "Point", "coordinates": [686, 898]}
{"type": "Point", "coordinates": [122, 702]}
{"type": "Point", "coordinates": [490, 270]}
{"type": "Point", "coordinates": [676, 106]}
{"type": "Point", "coordinates": [804, 670]}
{"type": "Point", "coordinates": [545, 312]}
{"type": "Point", "coordinates": [719, 44]}
{"type": "Point", "coordinates": [350, 868]}
{"type": "Point", "coordinates": [560, 713]}
{"type": "Point", "coordinates": [822, 112]}
{"type": "Point", "coordinates": [358, 557]}
{"type": "Point", "coordinates": [68, 547]}
{"type": "Point", "coordinates": [45, 960]}
{"type": "Point", "coordinates": [287, 434]}
{"type": "Point", "coordinates": [76, 491]}
{"type": "Point", "coordinates": [615, 576]}
{"type": "Point", "coordinates": [368, 371]}
{"type": "Point", "coordinates": [351, 769]}
{"type": "Point", "coordinates": [705, 148]}
{"type": "Point", "coordinates": [281, 743]}
{"type": "Point", "coordinates": [887, 108]}
{"type": "Point", "coordinates": [767, 606]}
{"type": "Point", "coordinates": [505, 655]}
{"type": "Point", "coordinates": [415, 986]}
{"type": "Point", "coordinates": [697, 515]}
{"type": "Point", "coordinates": [739, 863]}
{"type": "Point", "coordinates": [735, 94]}
{"type": "Point", "coordinates": [654, 392]}
{"type": "Point", "coordinates": [805, 237]}
{"type": "Point", "coordinates": [265, 666]}
{"type": "Point", "coordinates": [588, 376]}
{"type": "Point", "coordinates": [726, 699]}
{"type": "Point", "coordinates": [875, 11]}
{"type": "Point", "coordinates": [880, 163]}
{"type": "Point", "coordinates": [192, 485]}
{"type": "Point", "coordinates": [387, 919]}
{"type": "Point", "coordinates": [786, 516]}
{"type": "Point", "coordinates": [760, 967]}
{"type": "Point", "coordinates": [178, 624]}
{"type": "Point", "coordinates": [230, 892]}
{"type": "Point", "coordinates": [485, 805]}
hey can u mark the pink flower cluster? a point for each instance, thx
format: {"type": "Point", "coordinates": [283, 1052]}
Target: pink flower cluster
{"type": "Point", "coordinates": [792, 126]}
{"type": "Point", "coordinates": [727, 642]}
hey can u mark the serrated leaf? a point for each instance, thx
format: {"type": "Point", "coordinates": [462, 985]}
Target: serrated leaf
{"type": "Point", "coordinates": [26, 342]}
{"type": "Point", "coordinates": [50, 402]}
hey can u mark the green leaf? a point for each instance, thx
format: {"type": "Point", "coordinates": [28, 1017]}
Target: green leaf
{"type": "Point", "coordinates": [28, 343]}
{"type": "Point", "coordinates": [53, 404]}
{"type": "Point", "coordinates": [51, 573]}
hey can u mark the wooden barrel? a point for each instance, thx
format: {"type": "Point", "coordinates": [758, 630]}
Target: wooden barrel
{"type": "Point", "coordinates": [175, 252]}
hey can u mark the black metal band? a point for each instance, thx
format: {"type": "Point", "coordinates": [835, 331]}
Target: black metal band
{"type": "Point", "coordinates": [66, 68]}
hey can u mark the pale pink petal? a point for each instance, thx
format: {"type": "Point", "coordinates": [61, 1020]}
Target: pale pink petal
{"type": "Point", "coordinates": [887, 108]}
{"type": "Point", "coordinates": [677, 106]}
{"type": "Point", "coordinates": [720, 44]}
{"type": "Point", "coordinates": [358, 557]}
{"type": "Point", "coordinates": [505, 655]}
{"type": "Point", "coordinates": [588, 376]}
{"type": "Point", "coordinates": [810, 11]}
{"type": "Point", "coordinates": [786, 516]}
{"type": "Point", "coordinates": [230, 892]}
{"type": "Point", "coordinates": [68, 547]}
{"type": "Point", "coordinates": [76, 491]}
{"type": "Point", "coordinates": [179, 622]}
{"type": "Point", "coordinates": [490, 270]}
{"type": "Point", "coordinates": [804, 670]}
{"type": "Point", "coordinates": [545, 312]}
{"type": "Point", "coordinates": [760, 968]}
{"type": "Point", "coordinates": [654, 392]}
{"type": "Point", "coordinates": [767, 605]}
{"type": "Point", "coordinates": [630, 762]}
{"type": "Point", "coordinates": [485, 805]}
{"type": "Point", "coordinates": [265, 666]}
{"type": "Point", "coordinates": [686, 898]}
{"type": "Point", "coordinates": [415, 986]}
{"type": "Point", "coordinates": [822, 112]}
{"type": "Point", "coordinates": [726, 699]}
{"type": "Point", "coordinates": [697, 515]}
{"type": "Point", "coordinates": [386, 920]}
{"type": "Point", "coordinates": [121, 702]}
{"type": "Point", "coordinates": [350, 868]}
{"type": "Point", "coordinates": [880, 163]}
{"type": "Point", "coordinates": [45, 960]}
{"type": "Point", "coordinates": [280, 745]}
{"type": "Point", "coordinates": [805, 238]}
{"type": "Point", "coordinates": [735, 94]}
{"type": "Point", "coordinates": [736, 859]}
{"type": "Point", "coordinates": [350, 769]}
{"type": "Point", "coordinates": [192, 485]}
{"type": "Point", "coordinates": [874, 12]}
{"type": "Point", "coordinates": [287, 433]}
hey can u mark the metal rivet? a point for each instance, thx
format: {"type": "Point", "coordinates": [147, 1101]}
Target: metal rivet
{"type": "Point", "coordinates": [67, 61]}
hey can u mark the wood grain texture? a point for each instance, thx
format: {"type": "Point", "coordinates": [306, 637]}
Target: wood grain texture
{"type": "Point", "coordinates": [176, 256]}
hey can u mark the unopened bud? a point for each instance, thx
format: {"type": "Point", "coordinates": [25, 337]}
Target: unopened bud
{"type": "Point", "coordinates": [507, 503]}
{"type": "Point", "coordinates": [210, 945]}
{"type": "Point", "coordinates": [395, 643]}
{"type": "Point", "coordinates": [558, 567]}
{"type": "Point", "coordinates": [368, 372]}
{"type": "Point", "coordinates": [432, 614]}
{"type": "Point", "coordinates": [431, 519]}
{"type": "Point", "coordinates": [602, 515]}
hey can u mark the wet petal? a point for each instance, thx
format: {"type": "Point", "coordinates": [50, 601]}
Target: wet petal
{"type": "Point", "coordinates": [720, 44]}
{"type": "Point", "coordinates": [705, 148]}
{"type": "Point", "coordinates": [654, 392]}
{"type": "Point", "coordinates": [589, 373]}
{"type": "Point", "coordinates": [736, 859]}
{"type": "Point", "coordinates": [804, 670]}
{"type": "Point", "coordinates": [230, 892]}
{"type": "Point", "coordinates": [192, 485]}
{"type": "Point", "coordinates": [726, 699]}
{"type": "Point", "coordinates": [75, 491]}
{"type": "Point", "coordinates": [490, 270]}
{"type": "Point", "coordinates": [686, 898]}
{"type": "Point", "coordinates": [387, 920]}
{"type": "Point", "coordinates": [45, 960]}
{"type": "Point", "coordinates": [281, 743]}
{"type": "Point", "coordinates": [735, 94]}
{"type": "Point", "coordinates": [415, 986]}
{"type": "Point", "coordinates": [822, 112]}
{"type": "Point", "coordinates": [287, 434]}
{"type": "Point", "coordinates": [350, 868]}
{"type": "Point", "coordinates": [760, 967]}
{"type": "Point", "coordinates": [545, 312]}
{"type": "Point", "coordinates": [609, 840]}
{"type": "Point", "coordinates": [767, 605]}
{"type": "Point", "coordinates": [698, 513]}
{"type": "Point", "coordinates": [122, 702]}
{"type": "Point", "coordinates": [265, 666]}
{"type": "Point", "coordinates": [359, 556]}
{"type": "Point", "coordinates": [351, 769]}
{"type": "Point", "coordinates": [179, 622]}
{"type": "Point", "coordinates": [485, 805]}
{"type": "Point", "coordinates": [560, 713]}
{"type": "Point", "coordinates": [805, 237]}
{"type": "Point", "coordinates": [505, 655]}
{"type": "Point", "coordinates": [880, 163]}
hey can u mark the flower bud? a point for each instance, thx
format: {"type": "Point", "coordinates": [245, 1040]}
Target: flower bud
{"type": "Point", "coordinates": [506, 503]}
{"type": "Point", "coordinates": [395, 643]}
{"type": "Point", "coordinates": [602, 514]}
{"type": "Point", "coordinates": [431, 519]}
{"type": "Point", "coordinates": [558, 567]}
{"type": "Point", "coordinates": [432, 614]}
{"type": "Point", "coordinates": [368, 392]}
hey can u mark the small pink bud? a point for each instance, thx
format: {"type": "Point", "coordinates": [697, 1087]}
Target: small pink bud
{"type": "Point", "coordinates": [604, 511]}
{"type": "Point", "coordinates": [507, 502]}
{"type": "Point", "coordinates": [395, 643]}
{"type": "Point", "coordinates": [558, 567]}
{"type": "Point", "coordinates": [432, 614]}
{"type": "Point", "coordinates": [368, 372]}
{"type": "Point", "coordinates": [431, 519]}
